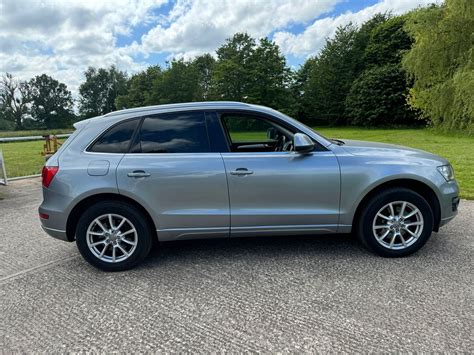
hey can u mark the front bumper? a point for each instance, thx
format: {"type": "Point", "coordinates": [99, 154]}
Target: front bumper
{"type": "Point", "coordinates": [449, 202]}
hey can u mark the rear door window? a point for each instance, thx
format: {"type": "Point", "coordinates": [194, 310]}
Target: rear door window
{"type": "Point", "coordinates": [183, 132]}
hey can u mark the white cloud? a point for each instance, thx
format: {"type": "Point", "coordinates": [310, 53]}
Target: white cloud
{"type": "Point", "coordinates": [63, 38]}
{"type": "Point", "coordinates": [312, 39]}
{"type": "Point", "coordinates": [202, 25]}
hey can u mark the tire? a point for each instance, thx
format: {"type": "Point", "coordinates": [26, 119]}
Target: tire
{"type": "Point", "coordinates": [411, 231]}
{"type": "Point", "coordinates": [124, 248]}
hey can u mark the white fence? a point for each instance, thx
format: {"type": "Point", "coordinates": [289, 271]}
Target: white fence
{"type": "Point", "coordinates": [30, 138]}
{"type": "Point", "coordinates": [3, 171]}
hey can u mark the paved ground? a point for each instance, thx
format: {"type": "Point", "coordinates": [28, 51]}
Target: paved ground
{"type": "Point", "coordinates": [268, 294]}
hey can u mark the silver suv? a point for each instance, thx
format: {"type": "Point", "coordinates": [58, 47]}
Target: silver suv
{"type": "Point", "coordinates": [226, 169]}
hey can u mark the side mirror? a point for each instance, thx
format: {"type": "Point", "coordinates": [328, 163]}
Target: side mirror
{"type": "Point", "coordinates": [302, 143]}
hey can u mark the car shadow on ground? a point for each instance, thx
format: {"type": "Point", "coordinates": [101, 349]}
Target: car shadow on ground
{"type": "Point", "coordinates": [255, 248]}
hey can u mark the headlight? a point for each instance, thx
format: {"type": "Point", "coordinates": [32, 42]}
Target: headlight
{"type": "Point", "coordinates": [447, 172]}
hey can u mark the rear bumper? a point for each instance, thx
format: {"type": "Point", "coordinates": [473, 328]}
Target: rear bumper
{"type": "Point", "coordinates": [55, 233]}
{"type": "Point", "coordinates": [55, 223]}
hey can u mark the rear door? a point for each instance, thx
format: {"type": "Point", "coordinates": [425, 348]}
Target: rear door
{"type": "Point", "coordinates": [173, 172]}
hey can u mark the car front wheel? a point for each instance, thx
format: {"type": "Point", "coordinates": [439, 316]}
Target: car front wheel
{"type": "Point", "coordinates": [113, 236]}
{"type": "Point", "coordinates": [396, 222]}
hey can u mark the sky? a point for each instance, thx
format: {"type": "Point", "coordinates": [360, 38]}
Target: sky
{"type": "Point", "coordinates": [63, 37]}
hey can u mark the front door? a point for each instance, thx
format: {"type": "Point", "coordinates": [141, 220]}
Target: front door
{"type": "Point", "coordinates": [172, 172]}
{"type": "Point", "coordinates": [272, 189]}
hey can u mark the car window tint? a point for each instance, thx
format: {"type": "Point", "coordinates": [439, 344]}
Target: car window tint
{"type": "Point", "coordinates": [174, 133]}
{"type": "Point", "coordinates": [246, 128]}
{"type": "Point", "coordinates": [116, 139]}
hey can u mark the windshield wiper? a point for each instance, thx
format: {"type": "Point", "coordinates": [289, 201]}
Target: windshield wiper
{"type": "Point", "coordinates": [337, 141]}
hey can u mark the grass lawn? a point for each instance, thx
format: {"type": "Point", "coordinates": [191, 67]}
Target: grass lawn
{"type": "Point", "coordinates": [23, 158]}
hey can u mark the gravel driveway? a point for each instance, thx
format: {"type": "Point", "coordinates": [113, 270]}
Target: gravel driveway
{"type": "Point", "coordinates": [324, 293]}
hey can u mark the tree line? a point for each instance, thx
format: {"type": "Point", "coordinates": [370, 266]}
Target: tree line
{"type": "Point", "coordinates": [414, 69]}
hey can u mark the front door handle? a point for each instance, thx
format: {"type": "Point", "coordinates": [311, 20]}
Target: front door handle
{"type": "Point", "coordinates": [241, 171]}
{"type": "Point", "coordinates": [138, 174]}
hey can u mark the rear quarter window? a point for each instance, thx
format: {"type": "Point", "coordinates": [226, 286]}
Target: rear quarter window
{"type": "Point", "coordinates": [116, 139]}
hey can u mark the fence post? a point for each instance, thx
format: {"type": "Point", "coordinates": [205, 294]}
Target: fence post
{"type": "Point", "coordinates": [4, 171]}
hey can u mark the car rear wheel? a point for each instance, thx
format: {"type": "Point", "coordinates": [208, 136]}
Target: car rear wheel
{"type": "Point", "coordinates": [396, 222]}
{"type": "Point", "coordinates": [113, 236]}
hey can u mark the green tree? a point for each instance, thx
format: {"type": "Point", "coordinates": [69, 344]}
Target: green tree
{"type": "Point", "coordinates": [330, 78]}
{"type": "Point", "coordinates": [364, 38]}
{"type": "Point", "coordinates": [378, 97]}
{"type": "Point", "coordinates": [99, 91]}
{"type": "Point", "coordinates": [139, 89]}
{"type": "Point", "coordinates": [14, 101]}
{"type": "Point", "coordinates": [270, 77]}
{"type": "Point", "coordinates": [388, 42]}
{"type": "Point", "coordinates": [298, 86]}
{"type": "Point", "coordinates": [441, 63]}
{"type": "Point", "coordinates": [204, 65]}
{"type": "Point", "coordinates": [51, 102]}
{"type": "Point", "coordinates": [178, 83]}
{"type": "Point", "coordinates": [232, 74]}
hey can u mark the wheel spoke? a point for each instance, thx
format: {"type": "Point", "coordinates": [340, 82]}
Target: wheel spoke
{"type": "Point", "coordinates": [128, 241]}
{"type": "Point", "coordinates": [403, 240]}
{"type": "Point", "coordinates": [128, 232]}
{"type": "Point", "coordinates": [383, 226]}
{"type": "Point", "coordinates": [411, 233]}
{"type": "Point", "coordinates": [121, 223]}
{"type": "Point", "coordinates": [412, 213]}
{"type": "Point", "coordinates": [111, 222]}
{"type": "Point", "coordinates": [402, 210]}
{"type": "Point", "coordinates": [392, 241]}
{"type": "Point", "coordinates": [383, 216]}
{"type": "Point", "coordinates": [103, 250]}
{"type": "Point", "coordinates": [98, 243]}
{"type": "Point", "coordinates": [97, 234]}
{"type": "Point", "coordinates": [383, 236]}
{"type": "Point", "coordinates": [413, 224]}
{"type": "Point", "coordinates": [392, 212]}
{"type": "Point", "coordinates": [122, 249]}
{"type": "Point", "coordinates": [113, 254]}
{"type": "Point", "coordinates": [100, 225]}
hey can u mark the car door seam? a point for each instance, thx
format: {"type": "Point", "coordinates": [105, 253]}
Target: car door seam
{"type": "Point", "coordinates": [228, 193]}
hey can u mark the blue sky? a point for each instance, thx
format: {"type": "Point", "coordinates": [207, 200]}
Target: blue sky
{"type": "Point", "coordinates": [63, 38]}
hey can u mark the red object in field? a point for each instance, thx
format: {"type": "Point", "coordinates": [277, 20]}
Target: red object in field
{"type": "Point", "coordinates": [48, 174]}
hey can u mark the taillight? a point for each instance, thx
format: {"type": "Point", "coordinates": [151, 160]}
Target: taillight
{"type": "Point", "coordinates": [48, 174]}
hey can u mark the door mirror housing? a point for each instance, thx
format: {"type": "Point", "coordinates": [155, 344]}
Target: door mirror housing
{"type": "Point", "coordinates": [302, 143]}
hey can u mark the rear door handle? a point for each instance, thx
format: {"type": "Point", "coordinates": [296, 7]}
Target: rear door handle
{"type": "Point", "coordinates": [241, 171]}
{"type": "Point", "coordinates": [138, 174]}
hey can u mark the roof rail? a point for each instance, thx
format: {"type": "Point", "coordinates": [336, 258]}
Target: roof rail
{"type": "Point", "coordinates": [179, 105]}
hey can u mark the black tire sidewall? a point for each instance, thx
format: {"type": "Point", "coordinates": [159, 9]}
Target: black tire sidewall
{"type": "Point", "coordinates": [126, 210]}
{"type": "Point", "coordinates": [364, 229]}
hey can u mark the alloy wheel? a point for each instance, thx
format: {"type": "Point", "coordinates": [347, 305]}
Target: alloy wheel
{"type": "Point", "coordinates": [398, 225]}
{"type": "Point", "coordinates": [112, 238]}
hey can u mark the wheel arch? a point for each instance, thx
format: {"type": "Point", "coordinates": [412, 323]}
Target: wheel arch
{"type": "Point", "coordinates": [88, 201]}
{"type": "Point", "coordinates": [415, 185]}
